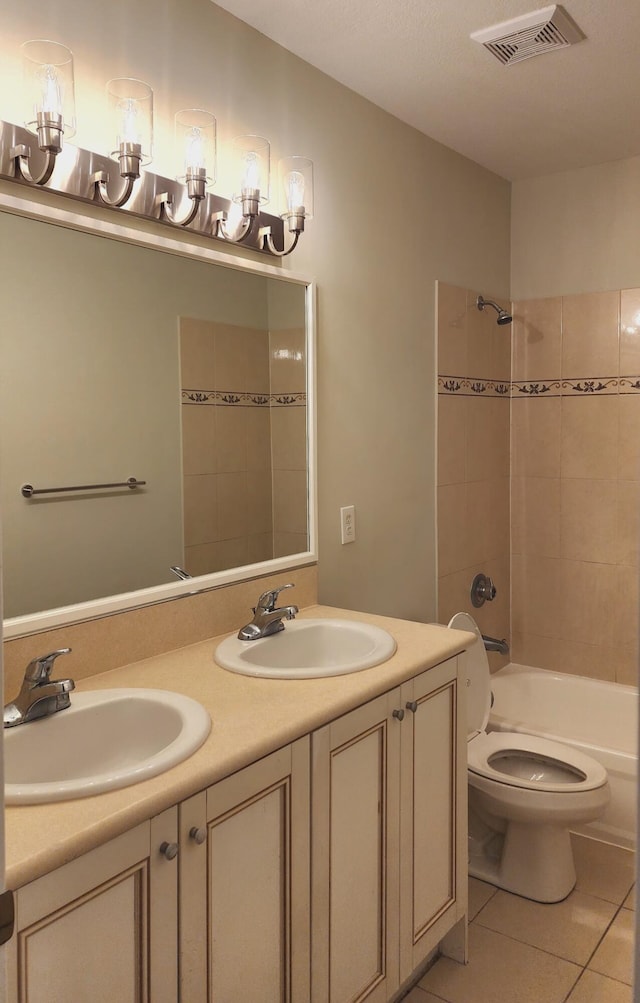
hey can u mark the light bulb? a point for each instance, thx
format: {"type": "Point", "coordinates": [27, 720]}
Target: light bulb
{"type": "Point", "coordinates": [294, 187]}
{"type": "Point", "coordinates": [194, 155]}
{"type": "Point", "coordinates": [130, 130]}
{"type": "Point", "coordinates": [51, 101]}
{"type": "Point", "coordinates": [251, 171]}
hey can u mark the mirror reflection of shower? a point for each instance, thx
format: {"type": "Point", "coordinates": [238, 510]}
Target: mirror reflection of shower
{"type": "Point", "coordinates": [503, 316]}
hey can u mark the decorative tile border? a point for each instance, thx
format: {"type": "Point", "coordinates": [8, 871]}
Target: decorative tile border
{"type": "Point", "coordinates": [465, 386]}
{"type": "Point", "coordinates": [229, 398]}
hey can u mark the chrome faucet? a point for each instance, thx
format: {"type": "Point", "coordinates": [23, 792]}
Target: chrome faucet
{"type": "Point", "coordinates": [39, 695]}
{"type": "Point", "coordinates": [267, 619]}
{"type": "Point", "coordinates": [495, 644]}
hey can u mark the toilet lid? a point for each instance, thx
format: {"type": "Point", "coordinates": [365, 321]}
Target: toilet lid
{"type": "Point", "coordinates": [478, 675]}
{"type": "Point", "coordinates": [508, 756]}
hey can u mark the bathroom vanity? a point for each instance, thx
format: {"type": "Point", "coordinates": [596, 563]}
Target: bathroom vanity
{"type": "Point", "coordinates": [313, 849]}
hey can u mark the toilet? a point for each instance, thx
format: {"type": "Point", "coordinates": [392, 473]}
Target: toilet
{"type": "Point", "coordinates": [525, 794]}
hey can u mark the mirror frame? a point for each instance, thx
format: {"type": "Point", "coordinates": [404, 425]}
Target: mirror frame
{"type": "Point", "coordinates": [46, 208]}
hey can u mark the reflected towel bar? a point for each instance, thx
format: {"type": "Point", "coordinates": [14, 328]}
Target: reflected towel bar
{"type": "Point", "coordinates": [28, 490]}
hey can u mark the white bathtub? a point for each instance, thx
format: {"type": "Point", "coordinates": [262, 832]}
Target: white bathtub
{"type": "Point", "coordinates": [598, 718]}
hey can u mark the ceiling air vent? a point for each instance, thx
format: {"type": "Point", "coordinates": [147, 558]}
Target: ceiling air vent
{"type": "Point", "coordinates": [530, 35]}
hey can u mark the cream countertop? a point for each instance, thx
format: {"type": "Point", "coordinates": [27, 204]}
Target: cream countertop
{"type": "Point", "coordinates": [251, 717]}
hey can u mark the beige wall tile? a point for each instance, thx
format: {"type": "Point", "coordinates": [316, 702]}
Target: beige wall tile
{"type": "Point", "coordinates": [628, 522]}
{"type": "Point", "coordinates": [452, 431]}
{"type": "Point", "coordinates": [590, 437]}
{"type": "Point", "coordinates": [259, 502]}
{"type": "Point", "coordinates": [588, 602]}
{"type": "Point", "coordinates": [537, 339]}
{"type": "Point", "coordinates": [197, 354]}
{"type": "Point", "coordinates": [501, 345]}
{"type": "Point", "coordinates": [590, 334]}
{"type": "Point", "coordinates": [233, 553]}
{"type": "Point", "coordinates": [629, 440]}
{"type": "Point", "coordinates": [630, 332]}
{"type": "Point", "coordinates": [452, 330]}
{"type": "Point", "coordinates": [288, 361]}
{"type": "Point", "coordinates": [487, 451]}
{"type": "Point", "coordinates": [260, 547]}
{"type": "Point", "coordinates": [536, 437]}
{"type": "Point", "coordinates": [285, 544]}
{"type": "Point", "coordinates": [200, 510]}
{"type": "Point", "coordinates": [536, 589]}
{"type": "Point", "coordinates": [232, 506]}
{"type": "Point", "coordinates": [198, 439]}
{"type": "Point", "coordinates": [625, 613]}
{"type": "Point", "coordinates": [231, 358]}
{"type": "Point", "coordinates": [200, 558]}
{"type": "Point", "coordinates": [480, 331]}
{"type": "Point", "coordinates": [258, 438]}
{"type": "Point", "coordinates": [289, 438]}
{"type": "Point", "coordinates": [487, 520]}
{"type": "Point", "coordinates": [626, 663]}
{"type": "Point", "coordinates": [231, 438]}
{"type": "Point", "coordinates": [589, 520]}
{"type": "Point", "coordinates": [257, 349]}
{"type": "Point", "coordinates": [453, 594]}
{"type": "Point", "coordinates": [535, 516]}
{"type": "Point", "coordinates": [290, 501]}
{"type": "Point", "coordinates": [453, 539]}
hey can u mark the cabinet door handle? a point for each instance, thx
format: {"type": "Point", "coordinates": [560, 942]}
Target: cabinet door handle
{"type": "Point", "coordinates": [412, 705]}
{"type": "Point", "coordinates": [199, 836]}
{"type": "Point", "coordinates": [169, 850]}
{"type": "Point", "coordinates": [399, 714]}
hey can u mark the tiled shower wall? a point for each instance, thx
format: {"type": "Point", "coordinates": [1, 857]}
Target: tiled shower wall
{"type": "Point", "coordinates": [474, 364]}
{"type": "Point", "coordinates": [571, 408]}
{"type": "Point", "coordinates": [244, 444]}
{"type": "Point", "coordinates": [576, 483]}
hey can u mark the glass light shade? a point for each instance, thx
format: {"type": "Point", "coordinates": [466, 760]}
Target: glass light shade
{"type": "Point", "coordinates": [295, 186]}
{"type": "Point", "coordinates": [130, 110]}
{"type": "Point", "coordinates": [195, 138]}
{"type": "Point", "coordinates": [48, 83]}
{"type": "Point", "coordinates": [251, 167]}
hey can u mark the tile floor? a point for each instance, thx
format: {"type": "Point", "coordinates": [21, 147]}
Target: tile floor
{"type": "Point", "coordinates": [577, 951]}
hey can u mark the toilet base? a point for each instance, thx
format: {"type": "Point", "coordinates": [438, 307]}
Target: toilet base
{"type": "Point", "coordinates": [535, 861]}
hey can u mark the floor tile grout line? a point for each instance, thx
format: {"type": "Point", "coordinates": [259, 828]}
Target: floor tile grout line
{"type": "Point", "coordinates": [591, 956]}
{"type": "Point", "coordinates": [535, 947]}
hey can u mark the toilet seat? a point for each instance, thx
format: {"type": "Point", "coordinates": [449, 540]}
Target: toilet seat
{"type": "Point", "coordinates": [582, 772]}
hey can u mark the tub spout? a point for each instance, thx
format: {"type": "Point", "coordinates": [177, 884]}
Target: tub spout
{"type": "Point", "coordinates": [494, 644]}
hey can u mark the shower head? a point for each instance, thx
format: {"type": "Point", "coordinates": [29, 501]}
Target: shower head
{"type": "Point", "coordinates": [503, 316]}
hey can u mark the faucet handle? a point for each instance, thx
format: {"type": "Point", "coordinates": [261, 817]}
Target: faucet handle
{"type": "Point", "coordinates": [39, 669]}
{"type": "Point", "coordinates": [267, 601]}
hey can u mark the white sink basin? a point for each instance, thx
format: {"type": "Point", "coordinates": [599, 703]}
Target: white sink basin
{"type": "Point", "coordinates": [107, 739]}
{"type": "Point", "coordinates": [308, 648]}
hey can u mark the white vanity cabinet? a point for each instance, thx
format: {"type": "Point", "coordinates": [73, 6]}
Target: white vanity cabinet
{"type": "Point", "coordinates": [387, 829]}
{"type": "Point", "coordinates": [325, 872]}
{"type": "Point", "coordinates": [102, 927]}
{"type": "Point", "coordinates": [244, 885]}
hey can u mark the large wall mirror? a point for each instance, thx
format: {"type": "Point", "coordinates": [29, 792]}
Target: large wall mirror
{"type": "Point", "coordinates": [145, 359]}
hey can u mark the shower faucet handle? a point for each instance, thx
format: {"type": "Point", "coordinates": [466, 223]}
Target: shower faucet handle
{"type": "Point", "coordinates": [482, 590]}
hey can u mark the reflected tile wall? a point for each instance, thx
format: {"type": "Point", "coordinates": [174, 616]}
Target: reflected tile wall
{"type": "Point", "coordinates": [474, 365]}
{"type": "Point", "coordinates": [244, 444]}
{"type": "Point", "coordinates": [576, 483]}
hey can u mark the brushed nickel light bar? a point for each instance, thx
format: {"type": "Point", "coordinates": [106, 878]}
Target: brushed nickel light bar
{"type": "Point", "coordinates": [116, 180]}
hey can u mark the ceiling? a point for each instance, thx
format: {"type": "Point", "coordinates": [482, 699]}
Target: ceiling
{"type": "Point", "coordinates": [570, 108]}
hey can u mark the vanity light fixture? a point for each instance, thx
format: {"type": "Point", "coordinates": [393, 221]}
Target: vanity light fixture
{"type": "Point", "coordinates": [251, 164]}
{"type": "Point", "coordinates": [130, 108]}
{"type": "Point", "coordinates": [49, 91]}
{"type": "Point", "coordinates": [242, 219]}
{"type": "Point", "coordinates": [295, 177]}
{"type": "Point", "coordinates": [195, 139]}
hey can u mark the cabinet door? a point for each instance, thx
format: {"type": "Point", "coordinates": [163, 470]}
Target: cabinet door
{"type": "Point", "coordinates": [255, 869]}
{"type": "Point", "coordinates": [355, 855]}
{"type": "Point", "coordinates": [87, 931]}
{"type": "Point", "coordinates": [432, 813]}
